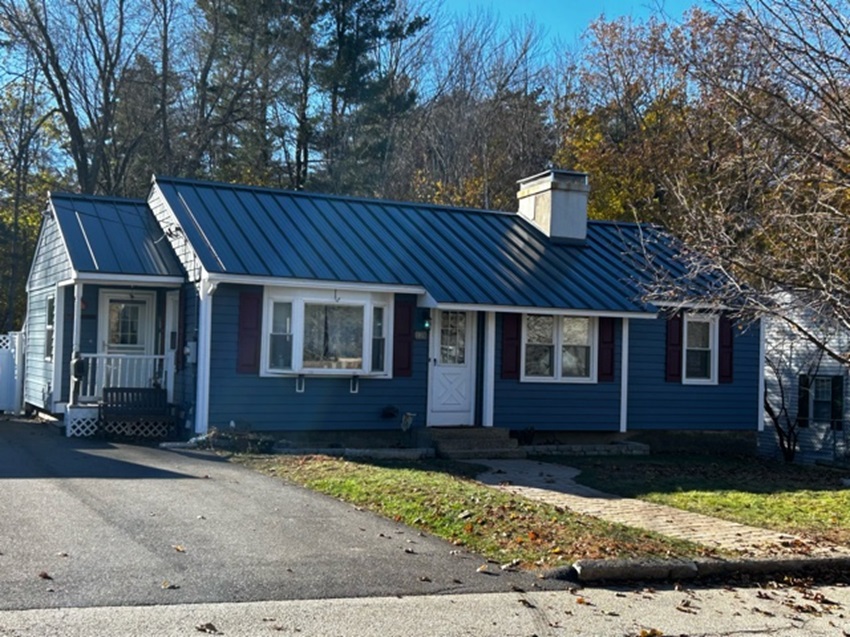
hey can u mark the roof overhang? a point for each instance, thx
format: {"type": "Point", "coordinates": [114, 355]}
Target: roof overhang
{"type": "Point", "coordinates": [102, 278]}
{"type": "Point", "coordinates": [243, 279]}
{"type": "Point", "coordinates": [429, 301]}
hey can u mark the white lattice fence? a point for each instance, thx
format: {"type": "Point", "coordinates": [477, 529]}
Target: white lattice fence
{"type": "Point", "coordinates": [80, 422]}
{"type": "Point", "coordinates": [5, 341]}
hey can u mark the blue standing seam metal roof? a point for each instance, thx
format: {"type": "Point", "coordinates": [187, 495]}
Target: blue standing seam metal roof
{"type": "Point", "coordinates": [108, 235]}
{"type": "Point", "coordinates": [460, 256]}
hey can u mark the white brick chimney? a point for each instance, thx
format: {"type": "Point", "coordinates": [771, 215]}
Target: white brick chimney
{"type": "Point", "coordinates": [556, 202]}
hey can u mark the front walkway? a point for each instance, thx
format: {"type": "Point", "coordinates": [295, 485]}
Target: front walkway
{"type": "Point", "coordinates": [555, 484]}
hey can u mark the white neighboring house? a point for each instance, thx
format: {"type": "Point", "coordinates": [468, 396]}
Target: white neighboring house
{"type": "Point", "coordinates": [806, 403]}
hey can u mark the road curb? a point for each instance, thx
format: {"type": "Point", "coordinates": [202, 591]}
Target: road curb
{"type": "Point", "coordinates": [598, 570]}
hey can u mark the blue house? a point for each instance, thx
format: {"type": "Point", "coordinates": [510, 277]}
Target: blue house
{"type": "Point", "coordinates": [300, 312]}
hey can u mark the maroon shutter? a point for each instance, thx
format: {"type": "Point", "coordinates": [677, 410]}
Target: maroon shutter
{"type": "Point", "coordinates": [511, 345]}
{"type": "Point", "coordinates": [605, 371]}
{"type": "Point", "coordinates": [674, 349]}
{"type": "Point", "coordinates": [726, 338]}
{"type": "Point", "coordinates": [403, 316]}
{"type": "Point", "coordinates": [250, 333]}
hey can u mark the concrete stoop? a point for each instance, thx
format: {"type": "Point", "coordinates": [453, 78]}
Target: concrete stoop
{"type": "Point", "coordinates": [470, 443]}
{"type": "Point", "coordinates": [600, 570]}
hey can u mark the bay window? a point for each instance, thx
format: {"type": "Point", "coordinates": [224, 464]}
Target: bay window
{"type": "Point", "coordinates": [559, 348]}
{"type": "Point", "coordinates": [325, 332]}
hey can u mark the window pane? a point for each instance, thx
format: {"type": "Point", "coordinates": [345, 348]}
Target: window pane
{"type": "Point", "coordinates": [453, 338]}
{"type": "Point", "coordinates": [575, 361]}
{"type": "Point", "coordinates": [378, 339]}
{"type": "Point", "coordinates": [539, 329]}
{"type": "Point", "coordinates": [823, 388]}
{"type": "Point", "coordinates": [576, 331]}
{"type": "Point", "coordinates": [698, 364]}
{"type": "Point", "coordinates": [333, 336]}
{"type": "Point", "coordinates": [280, 351]}
{"type": "Point", "coordinates": [538, 360]}
{"type": "Point", "coordinates": [282, 318]}
{"type": "Point", "coordinates": [699, 334]}
{"type": "Point", "coordinates": [125, 323]}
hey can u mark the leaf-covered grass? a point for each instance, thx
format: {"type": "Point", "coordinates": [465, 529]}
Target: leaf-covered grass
{"type": "Point", "coordinates": [441, 498]}
{"type": "Point", "coordinates": [809, 501]}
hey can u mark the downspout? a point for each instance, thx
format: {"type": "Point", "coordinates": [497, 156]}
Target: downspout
{"type": "Point", "coordinates": [206, 288]}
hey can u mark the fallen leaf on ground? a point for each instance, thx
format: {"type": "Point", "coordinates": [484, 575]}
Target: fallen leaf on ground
{"type": "Point", "coordinates": [166, 585]}
{"type": "Point", "coordinates": [179, 548]}
{"type": "Point", "coordinates": [209, 627]}
{"type": "Point", "coordinates": [44, 575]}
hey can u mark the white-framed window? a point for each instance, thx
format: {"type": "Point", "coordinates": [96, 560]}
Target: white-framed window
{"type": "Point", "coordinates": [699, 355]}
{"type": "Point", "coordinates": [325, 332]}
{"type": "Point", "coordinates": [559, 348]}
{"type": "Point", "coordinates": [49, 327]}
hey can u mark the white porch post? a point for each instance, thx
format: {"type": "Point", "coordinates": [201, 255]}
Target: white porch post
{"type": "Point", "coordinates": [624, 378]}
{"type": "Point", "coordinates": [489, 371]}
{"type": "Point", "coordinates": [202, 395]}
{"type": "Point", "coordinates": [75, 338]}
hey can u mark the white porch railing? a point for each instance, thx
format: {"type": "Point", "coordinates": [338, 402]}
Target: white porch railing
{"type": "Point", "coordinates": [124, 370]}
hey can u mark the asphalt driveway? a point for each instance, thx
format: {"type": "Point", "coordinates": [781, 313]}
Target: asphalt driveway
{"type": "Point", "coordinates": [90, 523]}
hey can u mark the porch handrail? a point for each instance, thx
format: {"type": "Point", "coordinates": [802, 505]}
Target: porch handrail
{"type": "Point", "coordinates": [124, 370]}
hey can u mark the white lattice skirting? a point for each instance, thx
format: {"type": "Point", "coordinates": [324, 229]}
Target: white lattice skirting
{"type": "Point", "coordinates": [82, 422]}
{"type": "Point", "coordinates": [138, 429]}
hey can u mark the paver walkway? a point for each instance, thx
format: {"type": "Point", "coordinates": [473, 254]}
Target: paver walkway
{"type": "Point", "coordinates": [555, 484]}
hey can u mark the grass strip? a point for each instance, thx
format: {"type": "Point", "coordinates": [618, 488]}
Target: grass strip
{"type": "Point", "coordinates": [441, 498]}
{"type": "Point", "coordinates": [804, 500]}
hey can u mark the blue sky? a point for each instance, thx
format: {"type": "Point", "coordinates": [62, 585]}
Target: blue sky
{"type": "Point", "coordinates": [566, 19]}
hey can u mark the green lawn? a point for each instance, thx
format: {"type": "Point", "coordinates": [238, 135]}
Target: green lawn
{"type": "Point", "coordinates": [806, 500]}
{"type": "Point", "coordinates": [441, 498]}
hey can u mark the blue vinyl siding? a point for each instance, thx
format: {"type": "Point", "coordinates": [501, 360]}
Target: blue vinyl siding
{"type": "Point", "coordinates": [185, 380]}
{"type": "Point", "coordinates": [557, 406]}
{"type": "Point", "coordinates": [656, 404]}
{"type": "Point", "coordinates": [272, 404]}
{"type": "Point", "coordinates": [50, 265]}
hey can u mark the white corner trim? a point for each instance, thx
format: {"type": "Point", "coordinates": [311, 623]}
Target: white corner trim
{"type": "Point", "coordinates": [58, 346]}
{"type": "Point", "coordinates": [202, 395]}
{"type": "Point", "coordinates": [489, 371]}
{"type": "Point", "coordinates": [761, 375]}
{"type": "Point", "coordinates": [624, 377]}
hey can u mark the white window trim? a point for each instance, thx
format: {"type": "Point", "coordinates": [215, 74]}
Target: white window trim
{"type": "Point", "coordinates": [559, 335]}
{"type": "Point", "coordinates": [50, 326]}
{"type": "Point", "coordinates": [714, 344]}
{"type": "Point", "coordinates": [301, 297]}
{"type": "Point", "coordinates": [149, 325]}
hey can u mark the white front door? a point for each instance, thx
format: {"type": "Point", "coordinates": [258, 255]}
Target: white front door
{"type": "Point", "coordinates": [451, 399]}
{"type": "Point", "coordinates": [126, 339]}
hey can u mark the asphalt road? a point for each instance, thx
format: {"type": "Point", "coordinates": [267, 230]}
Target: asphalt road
{"type": "Point", "coordinates": [87, 523]}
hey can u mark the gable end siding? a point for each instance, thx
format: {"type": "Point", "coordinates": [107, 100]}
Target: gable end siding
{"type": "Point", "coordinates": [176, 238]}
{"type": "Point", "coordinates": [50, 265]}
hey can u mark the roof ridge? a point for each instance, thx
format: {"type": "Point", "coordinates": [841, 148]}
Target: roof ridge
{"type": "Point", "coordinates": [332, 196]}
{"type": "Point", "coordinates": [103, 198]}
